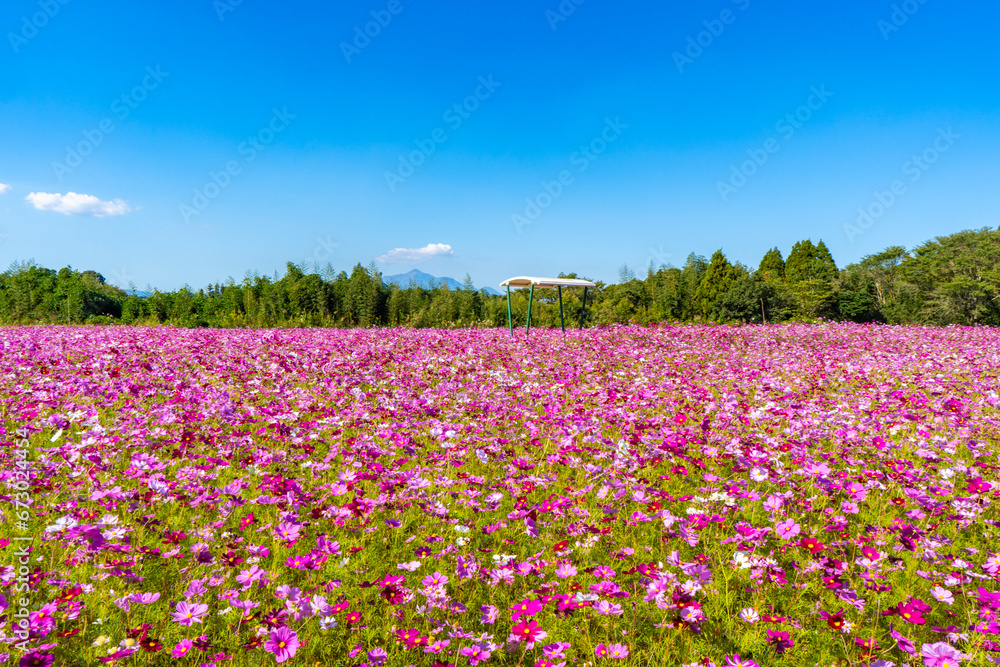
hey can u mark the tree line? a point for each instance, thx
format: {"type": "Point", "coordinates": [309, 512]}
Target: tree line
{"type": "Point", "coordinates": [949, 280]}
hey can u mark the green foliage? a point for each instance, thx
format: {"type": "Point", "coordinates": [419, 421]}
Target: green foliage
{"type": "Point", "coordinates": [754, 299]}
{"type": "Point", "coordinates": [957, 278]}
{"type": "Point", "coordinates": [32, 294]}
{"type": "Point", "coordinates": [772, 266]}
{"type": "Point", "coordinates": [718, 278]}
{"type": "Point", "coordinates": [810, 272]}
{"type": "Point", "coordinates": [857, 300]}
{"type": "Point", "coordinates": [810, 262]}
{"type": "Point", "coordinates": [950, 280]}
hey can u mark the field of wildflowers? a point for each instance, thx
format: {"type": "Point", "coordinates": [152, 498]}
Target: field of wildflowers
{"type": "Point", "coordinates": [793, 495]}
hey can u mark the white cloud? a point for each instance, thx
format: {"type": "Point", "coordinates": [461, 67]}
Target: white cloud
{"type": "Point", "coordinates": [74, 204]}
{"type": "Point", "coordinates": [416, 255]}
{"type": "Point", "coordinates": [4, 188]}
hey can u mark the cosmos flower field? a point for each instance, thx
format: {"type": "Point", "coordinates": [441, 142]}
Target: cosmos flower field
{"type": "Point", "coordinates": [790, 495]}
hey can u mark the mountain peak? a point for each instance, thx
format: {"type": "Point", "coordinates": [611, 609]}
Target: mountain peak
{"type": "Point", "coordinates": [418, 277]}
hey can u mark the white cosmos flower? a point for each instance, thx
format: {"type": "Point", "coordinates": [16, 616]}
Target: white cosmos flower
{"type": "Point", "coordinates": [61, 524]}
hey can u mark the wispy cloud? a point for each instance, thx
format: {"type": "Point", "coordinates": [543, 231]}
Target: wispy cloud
{"type": "Point", "coordinates": [4, 188]}
{"type": "Point", "coordinates": [416, 255]}
{"type": "Point", "coordinates": [76, 204]}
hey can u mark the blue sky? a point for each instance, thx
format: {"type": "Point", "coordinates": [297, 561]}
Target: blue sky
{"type": "Point", "coordinates": [586, 136]}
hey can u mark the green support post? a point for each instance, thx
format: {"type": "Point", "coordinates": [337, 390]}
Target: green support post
{"type": "Point", "coordinates": [531, 296]}
{"type": "Point", "coordinates": [583, 310]}
{"type": "Point", "coordinates": [510, 316]}
{"type": "Point", "coordinates": [561, 320]}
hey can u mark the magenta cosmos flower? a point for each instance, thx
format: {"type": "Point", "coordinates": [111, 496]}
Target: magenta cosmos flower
{"type": "Point", "coordinates": [36, 659]}
{"type": "Point", "coordinates": [737, 661]}
{"type": "Point", "coordinates": [183, 647]}
{"type": "Point", "coordinates": [283, 644]}
{"type": "Point", "coordinates": [525, 608]}
{"type": "Point", "coordinates": [528, 632]}
{"type": "Point", "coordinates": [616, 651]}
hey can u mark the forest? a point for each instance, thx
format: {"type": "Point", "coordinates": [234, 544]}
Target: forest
{"type": "Point", "coordinates": [949, 280]}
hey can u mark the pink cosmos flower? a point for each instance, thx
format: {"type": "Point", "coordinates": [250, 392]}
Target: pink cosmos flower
{"type": "Point", "coordinates": [476, 654]}
{"type": "Point", "coordinates": [902, 642]}
{"type": "Point", "coordinates": [247, 577]}
{"type": "Point", "coordinates": [617, 651]}
{"type": "Point", "coordinates": [283, 644]}
{"type": "Point", "coordinates": [436, 579]}
{"type": "Point", "coordinates": [186, 613]}
{"type": "Point", "coordinates": [565, 571]}
{"type": "Point", "coordinates": [942, 594]}
{"type": "Point", "coordinates": [244, 605]}
{"type": "Point", "coordinates": [182, 648]}
{"type": "Point", "coordinates": [556, 651]}
{"type": "Point", "coordinates": [940, 654]}
{"type": "Point", "coordinates": [608, 609]}
{"type": "Point", "coordinates": [437, 646]}
{"type": "Point", "coordinates": [288, 531]}
{"type": "Point", "coordinates": [788, 529]}
{"type": "Point", "coordinates": [489, 614]}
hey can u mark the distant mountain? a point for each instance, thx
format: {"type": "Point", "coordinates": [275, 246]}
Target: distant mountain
{"type": "Point", "coordinates": [425, 279]}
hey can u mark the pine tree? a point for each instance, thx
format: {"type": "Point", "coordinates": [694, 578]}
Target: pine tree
{"type": "Point", "coordinates": [810, 272]}
{"type": "Point", "coordinates": [797, 267]}
{"type": "Point", "coordinates": [772, 266]}
{"type": "Point", "coordinates": [719, 277]}
{"type": "Point", "coordinates": [810, 262]}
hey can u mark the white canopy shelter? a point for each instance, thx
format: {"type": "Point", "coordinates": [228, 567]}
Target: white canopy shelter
{"type": "Point", "coordinates": [531, 282]}
{"type": "Point", "coordinates": [546, 283]}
